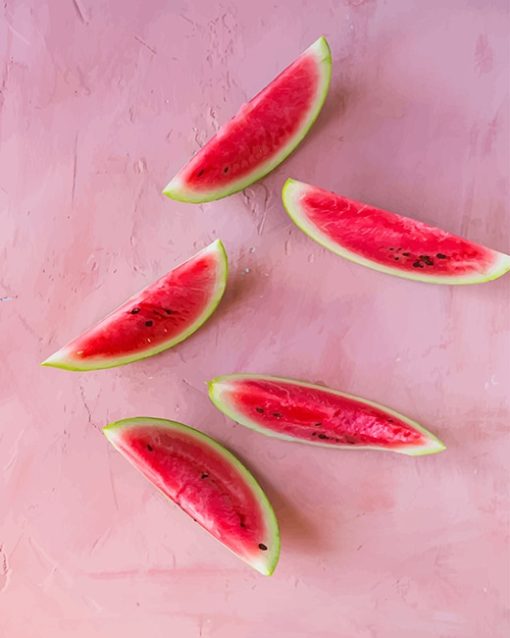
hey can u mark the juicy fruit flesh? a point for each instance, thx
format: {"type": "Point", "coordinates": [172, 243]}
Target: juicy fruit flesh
{"type": "Point", "coordinates": [392, 240]}
{"type": "Point", "coordinates": [160, 314]}
{"type": "Point", "coordinates": [202, 483]}
{"type": "Point", "coordinates": [265, 124]}
{"type": "Point", "coordinates": [318, 416]}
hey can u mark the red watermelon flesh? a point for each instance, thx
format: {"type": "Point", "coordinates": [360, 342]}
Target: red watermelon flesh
{"type": "Point", "coordinates": [262, 134]}
{"type": "Point", "coordinates": [204, 480]}
{"type": "Point", "coordinates": [162, 315]}
{"type": "Point", "coordinates": [389, 242]}
{"type": "Point", "coordinates": [300, 411]}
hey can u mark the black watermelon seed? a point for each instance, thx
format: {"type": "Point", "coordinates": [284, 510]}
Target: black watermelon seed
{"type": "Point", "coordinates": [150, 448]}
{"type": "Point", "coordinates": [225, 170]}
{"type": "Point", "coordinates": [262, 547]}
{"type": "Point", "coordinates": [201, 172]}
{"type": "Point", "coordinates": [428, 261]}
{"type": "Point", "coordinates": [260, 410]}
{"type": "Point", "coordinates": [396, 258]}
{"type": "Point", "coordinates": [441, 256]}
{"type": "Point", "coordinates": [149, 323]}
{"type": "Point", "coordinates": [406, 254]}
{"type": "Point", "coordinates": [322, 436]}
{"type": "Point", "coordinates": [168, 311]}
{"type": "Point", "coordinates": [204, 475]}
{"type": "Point", "coordinates": [318, 424]}
{"type": "Point", "coordinates": [417, 264]}
{"type": "Point", "coordinates": [392, 249]}
{"type": "Point", "coordinates": [277, 415]}
{"type": "Point", "coordinates": [135, 311]}
{"type": "Point", "coordinates": [314, 433]}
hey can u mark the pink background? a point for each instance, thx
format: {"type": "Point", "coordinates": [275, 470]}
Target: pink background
{"type": "Point", "coordinates": [101, 102]}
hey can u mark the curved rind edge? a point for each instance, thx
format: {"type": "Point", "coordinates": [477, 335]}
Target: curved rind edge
{"type": "Point", "coordinates": [433, 444]}
{"type": "Point", "coordinates": [60, 359]}
{"type": "Point", "coordinates": [175, 190]}
{"type": "Point", "coordinates": [271, 521]}
{"type": "Point", "coordinates": [499, 268]}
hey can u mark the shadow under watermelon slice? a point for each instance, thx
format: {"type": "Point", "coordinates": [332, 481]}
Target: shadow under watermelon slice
{"type": "Point", "coordinates": [262, 134]}
{"type": "Point", "coordinates": [159, 317]}
{"type": "Point", "coordinates": [206, 481]}
{"type": "Point", "coordinates": [388, 242]}
{"type": "Point", "coordinates": [307, 413]}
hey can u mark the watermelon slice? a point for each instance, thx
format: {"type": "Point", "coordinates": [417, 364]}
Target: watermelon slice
{"type": "Point", "coordinates": [261, 135]}
{"type": "Point", "coordinates": [299, 411]}
{"type": "Point", "coordinates": [205, 480]}
{"type": "Point", "coordinates": [160, 316]}
{"type": "Point", "coordinates": [388, 242]}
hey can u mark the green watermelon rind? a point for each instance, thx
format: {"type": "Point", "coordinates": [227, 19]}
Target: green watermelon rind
{"type": "Point", "coordinates": [61, 360]}
{"type": "Point", "coordinates": [433, 444]}
{"type": "Point", "coordinates": [177, 191]}
{"type": "Point", "coordinates": [272, 540]}
{"type": "Point", "coordinates": [291, 191]}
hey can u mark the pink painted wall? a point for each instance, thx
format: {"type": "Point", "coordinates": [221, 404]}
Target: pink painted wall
{"type": "Point", "coordinates": [101, 101]}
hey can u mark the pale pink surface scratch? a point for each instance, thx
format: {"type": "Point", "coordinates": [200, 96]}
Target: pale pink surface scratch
{"type": "Point", "coordinates": [418, 122]}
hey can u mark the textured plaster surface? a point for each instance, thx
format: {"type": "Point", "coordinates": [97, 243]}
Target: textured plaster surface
{"type": "Point", "coordinates": [101, 101]}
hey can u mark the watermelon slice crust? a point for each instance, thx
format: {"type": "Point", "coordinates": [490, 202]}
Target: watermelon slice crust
{"type": "Point", "coordinates": [206, 481]}
{"type": "Point", "coordinates": [262, 134]}
{"type": "Point", "coordinates": [308, 413]}
{"type": "Point", "coordinates": [388, 242]}
{"type": "Point", "coordinates": [162, 315]}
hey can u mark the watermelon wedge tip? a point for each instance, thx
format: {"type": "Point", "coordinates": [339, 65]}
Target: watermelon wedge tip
{"type": "Point", "coordinates": [308, 413]}
{"type": "Point", "coordinates": [387, 242]}
{"type": "Point", "coordinates": [262, 134]}
{"type": "Point", "coordinates": [206, 481]}
{"type": "Point", "coordinates": [159, 317]}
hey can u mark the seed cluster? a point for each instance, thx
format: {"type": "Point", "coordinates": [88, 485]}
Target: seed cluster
{"type": "Point", "coordinates": [157, 313]}
{"type": "Point", "coordinates": [419, 261]}
{"type": "Point", "coordinates": [346, 439]}
{"type": "Point", "coordinates": [324, 437]}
